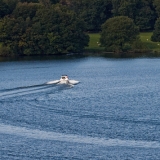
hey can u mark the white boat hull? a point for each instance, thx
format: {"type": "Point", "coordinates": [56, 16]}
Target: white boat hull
{"type": "Point", "coordinates": [53, 82]}
{"type": "Point", "coordinates": [63, 82]}
{"type": "Point", "coordinates": [73, 82]}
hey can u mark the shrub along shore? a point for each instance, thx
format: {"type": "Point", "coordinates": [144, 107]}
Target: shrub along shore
{"type": "Point", "coordinates": [152, 49]}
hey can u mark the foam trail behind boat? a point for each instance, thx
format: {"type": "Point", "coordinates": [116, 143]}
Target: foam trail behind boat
{"type": "Point", "coordinates": [19, 91]}
{"type": "Point", "coordinates": [44, 135]}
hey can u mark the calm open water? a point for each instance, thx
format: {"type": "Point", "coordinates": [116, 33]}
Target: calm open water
{"type": "Point", "coordinates": [112, 114]}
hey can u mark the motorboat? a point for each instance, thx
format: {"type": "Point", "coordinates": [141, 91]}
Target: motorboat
{"type": "Point", "coordinates": [64, 80]}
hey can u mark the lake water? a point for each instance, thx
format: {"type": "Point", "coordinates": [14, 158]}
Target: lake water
{"type": "Point", "coordinates": [112, 114]}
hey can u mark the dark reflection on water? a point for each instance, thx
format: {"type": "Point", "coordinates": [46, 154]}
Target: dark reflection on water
{"type": "Point", "coordinates": [41, 57]}
{"type": "Point", "coordinates": [75, 56]}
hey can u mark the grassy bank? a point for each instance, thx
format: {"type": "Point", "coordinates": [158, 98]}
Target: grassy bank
{"type": "Point", "coordinates": [94, 43]}
{"type": "Point", "coordinates": [146, 39]}
{"type": "Point", "coordinates": [144, 36]}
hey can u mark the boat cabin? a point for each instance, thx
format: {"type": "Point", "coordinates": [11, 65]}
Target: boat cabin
{"type": "Point", "coordinates": [64, 77]}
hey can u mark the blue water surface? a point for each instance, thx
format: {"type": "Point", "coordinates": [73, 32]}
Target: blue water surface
{"type": "Point", "coordinates": [112, 114]}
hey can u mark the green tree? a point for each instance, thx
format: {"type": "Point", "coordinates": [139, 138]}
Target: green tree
{"type": "Point", "coordinates": [53, 30]}
{"type": "Point", "coordinates": [156, 33]}
{"type": "Point", "coordinates": [115, 7]}
{"type": "Point", "coordinates": [128, 8]}
{"type": "Point", "coordinates": [146, 15]}
{"type": "Point", "coordinates": [156, 4]}
{"type": "Point", "coordinates": [25, 10]}
{"type": "Point", "coordinates": [4, 9]}
{"type": "Point", "coordinates": [94, 12]}
{"type": "Point", "coordinates": [11, 31]}
{"type": "Point", "coordinates": [61, 31]}
{"type": "Point", "coordinates": [46, 3]}
{"type": "Point", "coordinates": [11, 4]}
{"type": "Point", "coordinates": [118, 33]}
{"type": "Point", "coordinates": [141, 11]}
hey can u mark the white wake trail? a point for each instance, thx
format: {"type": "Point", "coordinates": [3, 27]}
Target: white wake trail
{"type": "Point", "coordinates": [23, 91]}
{"type": "Point", "coordinates": [44, 135]}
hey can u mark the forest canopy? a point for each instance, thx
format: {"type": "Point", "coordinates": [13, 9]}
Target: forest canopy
{"type": "Point", "coordinates": [61, 26]}
{"type": "Point", "coordinates": [34, 29]}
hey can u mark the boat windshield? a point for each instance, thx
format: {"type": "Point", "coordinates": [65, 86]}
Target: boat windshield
{"type": "Point", "coordinates": [63, 77]}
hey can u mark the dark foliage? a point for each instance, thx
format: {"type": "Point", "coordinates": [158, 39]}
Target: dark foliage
{"type": "Point", "coordinates": [53, 30]}
{"type": "Point", "coordinates": [118, 34]}
{"type": "Point", "coordinates": [156, 33]}
{"type": "Point", "coordinates": [57, 26]}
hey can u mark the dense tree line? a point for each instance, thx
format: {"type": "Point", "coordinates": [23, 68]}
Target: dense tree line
{"type": "Point", "coordinates": [42, 28]}
{"type": "Point", "coordinates": [60, 26]}
{"type": "Point", "coordinates": [95, 12]}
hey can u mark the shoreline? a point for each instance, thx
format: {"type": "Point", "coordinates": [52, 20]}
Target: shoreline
{"type": "Point", "coordinates": [149, 54]}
